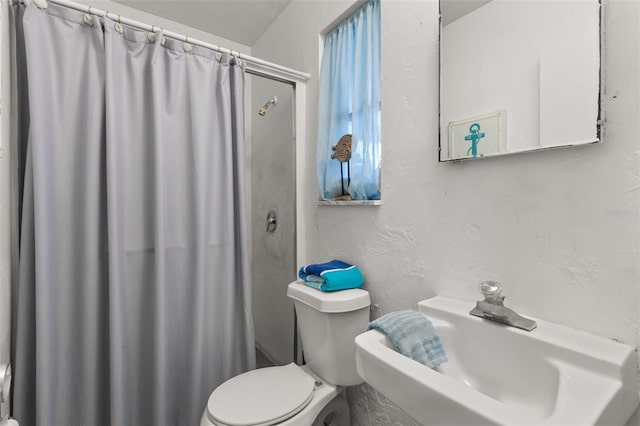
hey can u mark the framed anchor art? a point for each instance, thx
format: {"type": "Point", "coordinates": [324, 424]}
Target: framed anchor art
{"type": "Point", "coordinates": [476, 137]}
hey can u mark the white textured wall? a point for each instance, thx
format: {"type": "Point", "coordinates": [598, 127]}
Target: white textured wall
{"type": "Point", "coordinates": [560, 229]}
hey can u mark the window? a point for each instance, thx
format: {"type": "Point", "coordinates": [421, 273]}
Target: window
{"type": "Point", "coordinates": [349, 103]}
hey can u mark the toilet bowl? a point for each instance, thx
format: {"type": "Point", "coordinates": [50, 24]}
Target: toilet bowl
{"type": "Point", "coordinates": [285, 396]}
{"type": "Point", "coordinates": [308, 395]}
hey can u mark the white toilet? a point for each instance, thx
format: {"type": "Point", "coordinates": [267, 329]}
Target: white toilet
{"type": "Point", "coordinates": [311, 395]}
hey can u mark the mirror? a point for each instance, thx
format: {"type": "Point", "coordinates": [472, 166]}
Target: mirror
{"type": "Point", "coordinates": [518, 76]}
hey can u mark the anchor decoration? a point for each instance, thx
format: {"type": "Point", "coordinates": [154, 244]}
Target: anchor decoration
{"type": "Point", "coordinates": [342, 153]}
{"type": "Point", "coordinates": [474, 137]}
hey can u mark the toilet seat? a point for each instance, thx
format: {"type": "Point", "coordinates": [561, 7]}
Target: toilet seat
{"type": "Point", "coordinates": [262, 397]}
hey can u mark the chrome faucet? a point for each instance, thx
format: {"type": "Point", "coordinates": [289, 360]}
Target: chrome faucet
{"type": "Point", "coordinates": [492, 308]}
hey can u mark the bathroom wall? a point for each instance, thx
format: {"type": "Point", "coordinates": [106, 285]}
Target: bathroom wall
{"type": "Point", "coordinates": [560, 229]}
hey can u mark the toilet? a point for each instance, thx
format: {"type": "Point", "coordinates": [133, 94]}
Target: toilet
{"type": "Point", "coordinates": [308, 395]}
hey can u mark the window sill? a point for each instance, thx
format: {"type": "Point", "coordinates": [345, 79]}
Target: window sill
{"type": "Point", "coordinates": [350, 203]}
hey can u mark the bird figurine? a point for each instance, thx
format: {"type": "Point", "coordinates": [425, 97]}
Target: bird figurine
{"type": "Point", "coordinates": [342, 150]}
{"type": "Point", "coordinates": [342, 153]}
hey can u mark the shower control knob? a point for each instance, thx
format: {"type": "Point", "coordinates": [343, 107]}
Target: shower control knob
{"type": "Point", "coordinates": [272, 221]}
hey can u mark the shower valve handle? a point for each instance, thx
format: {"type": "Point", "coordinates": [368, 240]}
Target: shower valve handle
{"type": "Point", "coordinates": [272, 221]}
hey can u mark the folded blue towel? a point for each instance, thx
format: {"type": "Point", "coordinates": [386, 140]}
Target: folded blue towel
{"type": "Point", "coordinates": [413, 335]}
{"type": "Point", "coordinates": [331, 276]}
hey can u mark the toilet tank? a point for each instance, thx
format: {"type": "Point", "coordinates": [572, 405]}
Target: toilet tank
{"type": "Point", "coordinates": [329, 323]}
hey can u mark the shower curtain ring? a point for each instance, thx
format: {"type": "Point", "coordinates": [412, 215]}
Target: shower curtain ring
{"type": "Point", "coordinates": [118, 25]}
{"type": "Point", "coordinates": [88, 18]}
{"type": "Point", "coordinates": [186, 46]}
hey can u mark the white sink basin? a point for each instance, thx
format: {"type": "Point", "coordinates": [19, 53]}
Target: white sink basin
{"type": "Point", "coordinates": [496, 374]}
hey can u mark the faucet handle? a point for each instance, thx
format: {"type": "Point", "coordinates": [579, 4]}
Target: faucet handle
{"type": "Point", "coordinates": [490, 287]}
{"type": "Point", "coordinates": [492, 291]}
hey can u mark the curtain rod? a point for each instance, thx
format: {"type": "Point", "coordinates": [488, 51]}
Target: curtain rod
{"type": "Point", "coordinates": [262, 64]}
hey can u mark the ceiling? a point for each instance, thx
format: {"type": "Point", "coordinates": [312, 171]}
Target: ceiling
{"type": "Point", "coordinates": [242, 21]}
{"type": "Point", "coordinates": [452, 10]}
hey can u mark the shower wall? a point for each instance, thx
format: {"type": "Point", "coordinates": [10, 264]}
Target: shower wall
{"type": "Point", "coordinates": [273, 188]}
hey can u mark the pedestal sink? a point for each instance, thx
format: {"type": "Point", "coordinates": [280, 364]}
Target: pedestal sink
{"type": "Point", "coordinates": [499, 375]}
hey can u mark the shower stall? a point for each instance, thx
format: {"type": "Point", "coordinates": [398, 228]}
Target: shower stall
{"type": "Point", "coordinates": [273, 217]}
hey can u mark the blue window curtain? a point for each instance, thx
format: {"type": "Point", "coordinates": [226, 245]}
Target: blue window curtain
{"type": "Point", "coordinates": [349, 103]}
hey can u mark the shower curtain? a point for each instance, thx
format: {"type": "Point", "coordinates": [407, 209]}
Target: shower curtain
{"type": "Point", "coordinates": [134, 294]}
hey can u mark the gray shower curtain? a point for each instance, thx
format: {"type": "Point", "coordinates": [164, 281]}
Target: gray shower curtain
{"type": "Point", "coordinates": [134, 293]}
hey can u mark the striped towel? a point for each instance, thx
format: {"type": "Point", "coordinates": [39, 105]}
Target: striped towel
{"type": "Point", "coordinates": [413, 335]}
{"type": "Point", "coordinates": [331, 276]}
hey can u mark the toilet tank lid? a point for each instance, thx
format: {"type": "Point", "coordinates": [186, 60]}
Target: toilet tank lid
{"type": "Point", "coordinates": [330, 302]}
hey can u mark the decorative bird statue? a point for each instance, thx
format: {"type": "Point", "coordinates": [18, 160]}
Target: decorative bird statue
{"type": "Point", "coordinates": [342, 150]}
{"type": "Point", "coordinates": [342, 153]}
